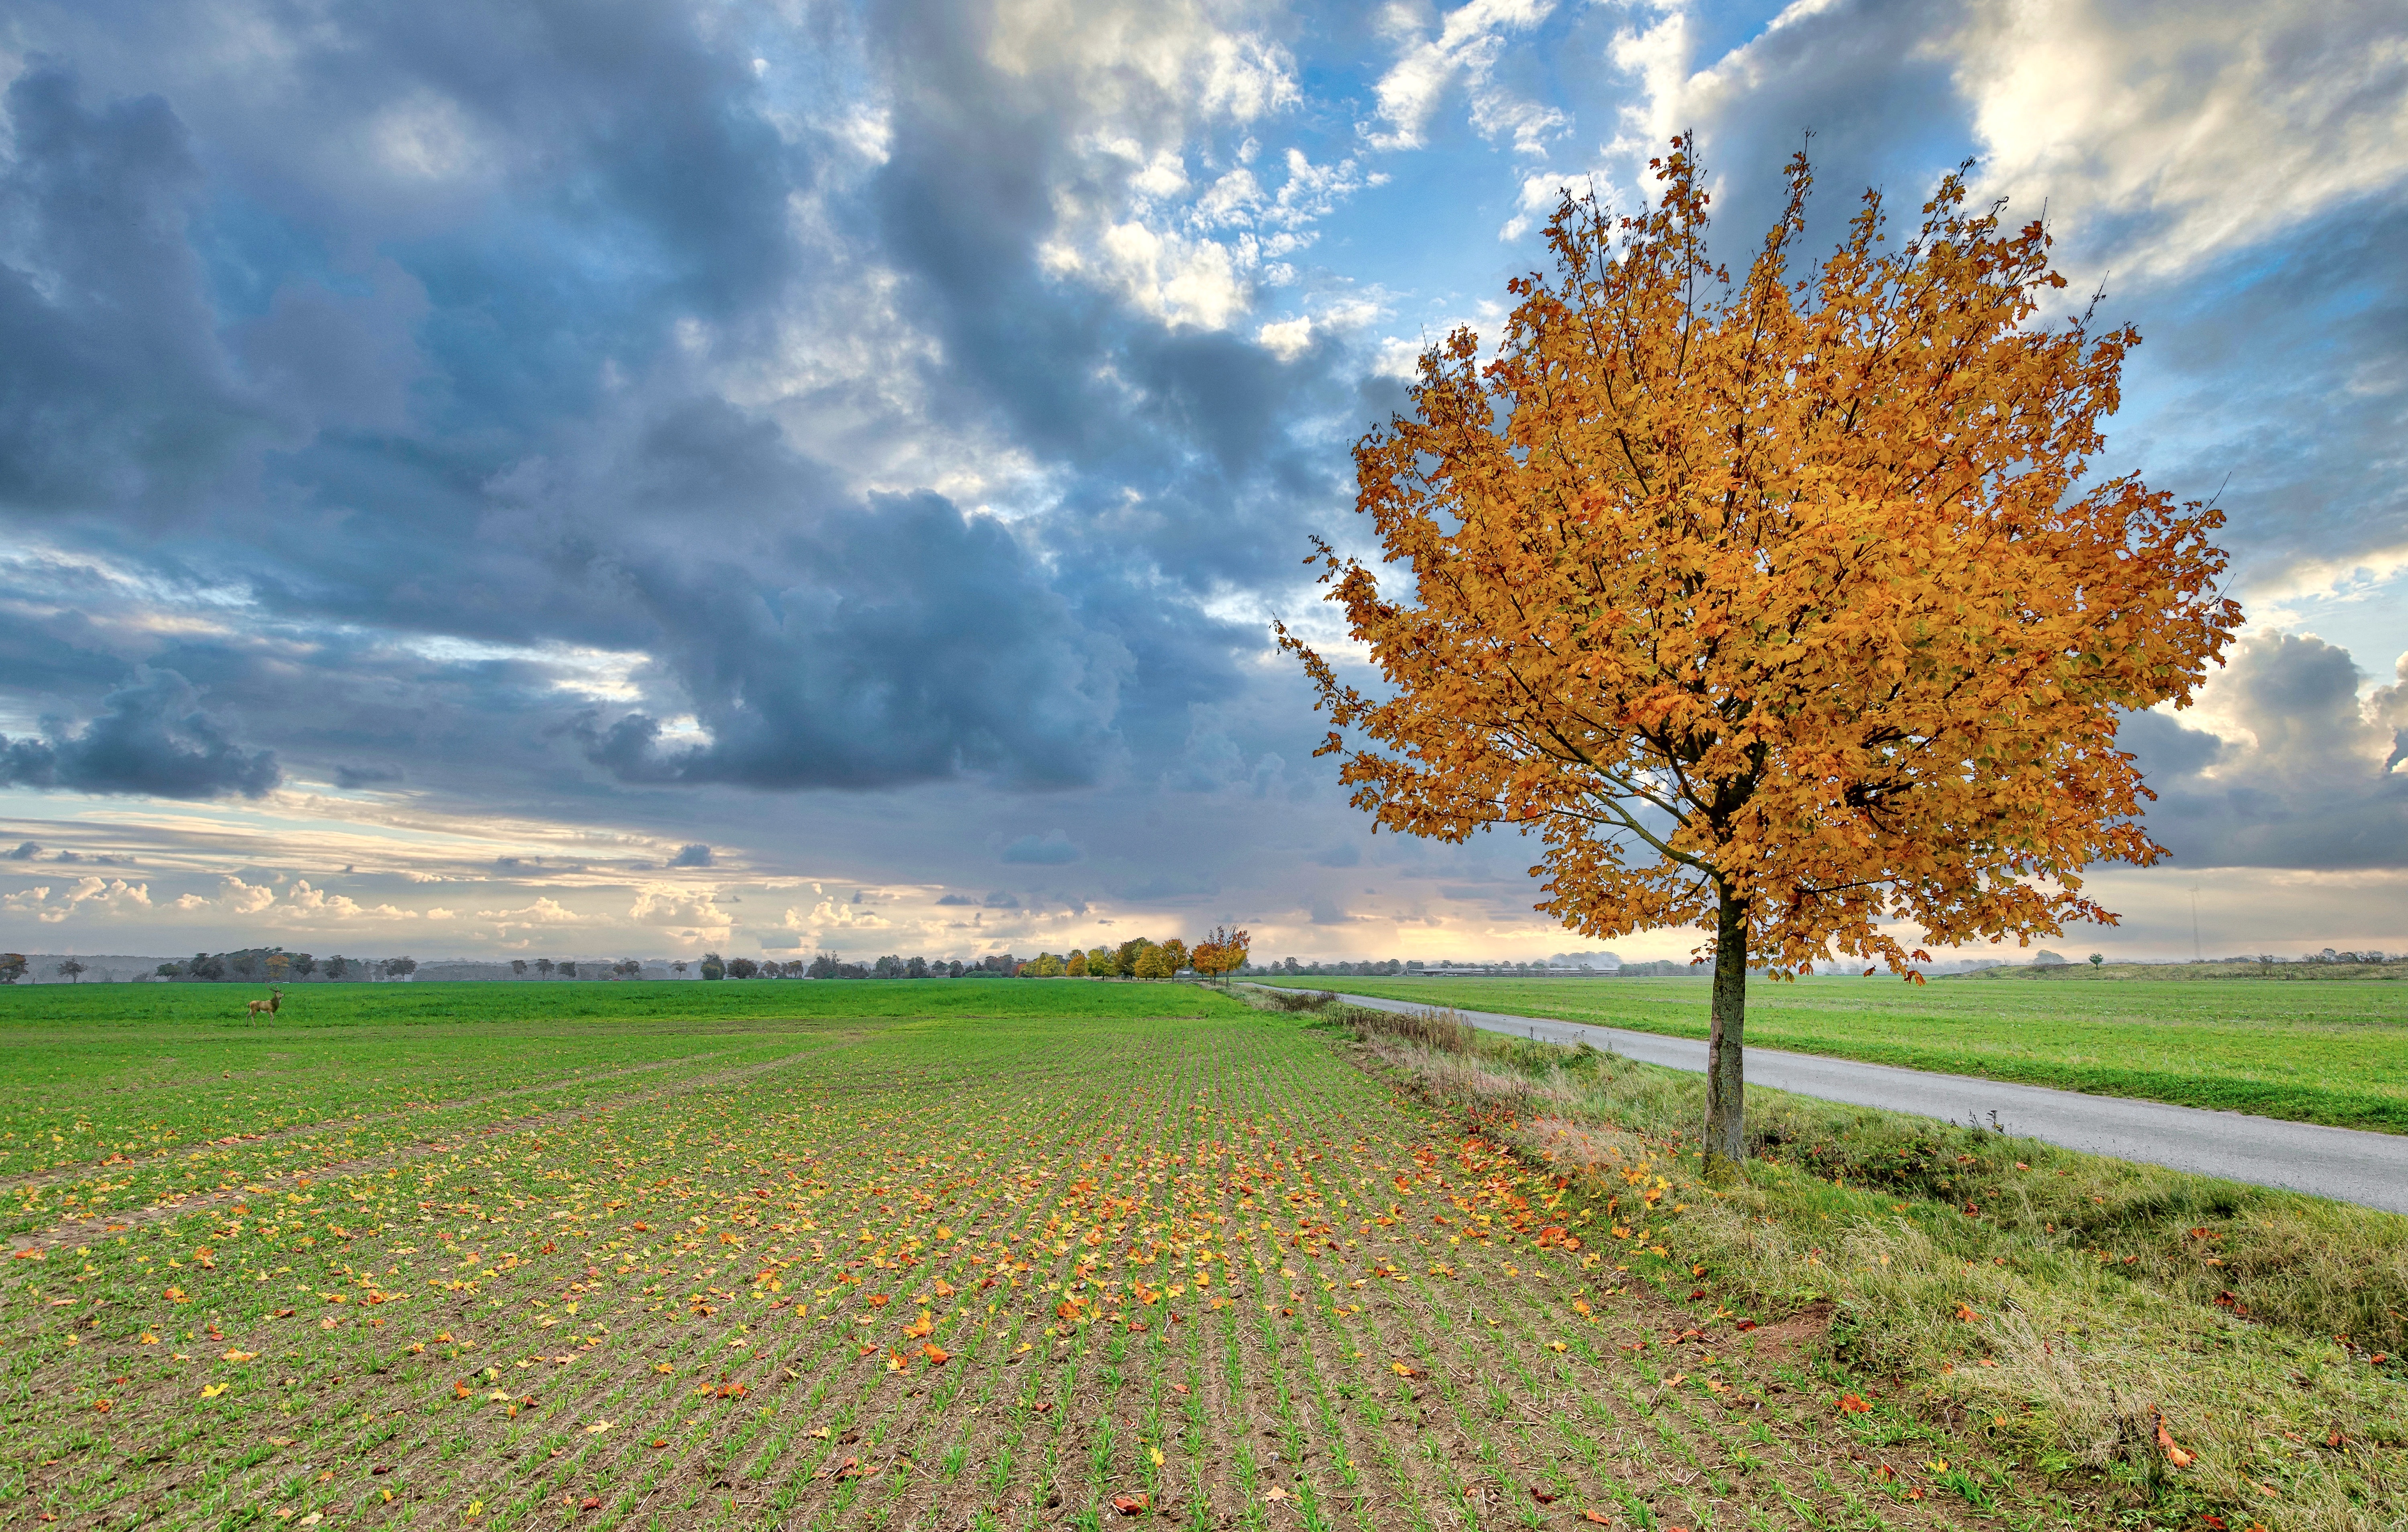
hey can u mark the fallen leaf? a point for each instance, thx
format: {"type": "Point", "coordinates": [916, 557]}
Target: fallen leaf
{"type": "Point", "coordinates": [214, 1390]}
{"type": "Point", "coordinates": [2174, 1454]}
{"type": "Point", "coordinates": [1274, 1493]}
{"type": "Point", "coordinates": [597, 1427]}
{"type": "Point", "coordinates": [1595, 1518]}
{"type": "Point", "coordinates": [1130, 1505]}
{"type": "Point", "coordinates": [1851, 1404]}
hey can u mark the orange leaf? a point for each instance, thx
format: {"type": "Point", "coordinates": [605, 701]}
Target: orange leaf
{"type": "Point", "coordinates": [1852, 1404]}
{"type": "Point", "coordinates": [2174, 1454]}
{"type": "Point", "coordinates": [1130, 1505]}
{"type": "Point", "coordinates": [1596, 1518]}
{"type": "Point", "coordinates": [936, 1355]}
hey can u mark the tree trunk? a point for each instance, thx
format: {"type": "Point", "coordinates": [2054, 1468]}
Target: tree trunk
{"type": "Point", "coordinates": [1726, 1079]}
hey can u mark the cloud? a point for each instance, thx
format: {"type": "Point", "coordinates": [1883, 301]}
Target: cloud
{"type": "Point", "coordinates": [234, 897]}
{"type": "Point", "coordinates": [662, 904]}
{"type": "Point", "coordinates": [696, 854]}
{"type": "Point", "coordinates": [541, 912]}
{"type": "Point", "coordinates": [1053, 851]}
{"type": "Point", "coordinates": [1467, 47]}
{"type": "Point", "coordinates": [1001, 899]}
{"type": "Point", "coordinates": [2296, 770]}
{"type": "Point", "coordinates": [112, 896]}
{"type": "Point", "coordinates": [365, 776]}
{"type": "Point", "coordinates": [2140, 120]}
{"type": "Point", "coordinates": [26, 850]}
{"type": "Point", "coordinates": [1344, 853]}
{"type": "Point", "coordinates": [956, 899]}
{"type": "Point", "coordinates": [150, 738]}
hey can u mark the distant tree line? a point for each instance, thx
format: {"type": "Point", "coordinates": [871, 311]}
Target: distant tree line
{"type": "Point", "coordinates": [275, 965]}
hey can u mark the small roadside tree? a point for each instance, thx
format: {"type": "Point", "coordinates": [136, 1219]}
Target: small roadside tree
{"type": "Point", "coordinates": [1220, 953]}
{"type": "Point", "coordinates": [1786, 608]}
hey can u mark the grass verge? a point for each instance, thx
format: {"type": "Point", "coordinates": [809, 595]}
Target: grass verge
{"type": "Point", "coordinates": [2189, 1347]}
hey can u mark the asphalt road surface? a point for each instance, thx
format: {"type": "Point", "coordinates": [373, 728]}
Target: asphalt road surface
{"type": "Point", "coordinates": [2346, 1164]}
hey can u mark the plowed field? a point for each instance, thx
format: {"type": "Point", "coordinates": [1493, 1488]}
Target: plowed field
{"type": "Point", "coordinates": [1009, 1270]}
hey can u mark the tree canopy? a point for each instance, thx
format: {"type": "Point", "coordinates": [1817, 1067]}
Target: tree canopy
{"type": "Point", "coordinates": [1786, 606]}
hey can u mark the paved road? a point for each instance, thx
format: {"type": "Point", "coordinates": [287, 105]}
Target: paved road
{"type": "Point", "coordinates": [2369, 1169]}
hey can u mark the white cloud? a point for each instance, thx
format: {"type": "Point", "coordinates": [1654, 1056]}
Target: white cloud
{"type": "Point", "coordinates": [1467, 45]}
{"type": "Point", "coordinates": [234, 897]}
{"type": "Point", "coordinates": [106, 896]}
{"type": "Point", "coordinates": [682, 910]}
{"type": "Point", "coordinates": [542, 912]}
{"type": "Point", "coordinates": [1287, 338]}
{"type": "Point", "coordinates": [2209, 125]}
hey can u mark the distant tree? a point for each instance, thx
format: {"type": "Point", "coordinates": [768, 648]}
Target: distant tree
{"type": "Point", "coordinates": [678, 968]}
{"type": "Point", "coordinates": [822, 967]}
{"type": "Point", "coordinates": [2097, 958]}
{"type": "Point", "coordinates": [339, 966]}
{"type": "Point", "coordinates": [742, 967]}
{"type": "Point", "coordinates": [279, 967]}
{"type": "Point", "coordinates": [72, 971]}
{"type": "Point", "coordinates": [164, 970]}
{"type": "Point", "coordinates": [303, 965]}
{"type": "Point", "coordinates": [629, 967]}
{"type": "Point", "coordinates": [714, 967]}
{"type": "Point", "coordinates": [954, 968]}
{"type": "Point", "coordinates": [887, 968]}
{"type": "Point", "coordinates": [543, 966]}
{"type": "Point", "coordinates": [1153, 962]}
{"type": "Point", "coordinates": [1125, 955]}
{"type": "Point", "coordinates": [518, 968]}
{"type": "Point", "coordinates": [1075, 966]}
{"type": "Point", "coordinates": [400, 968]}
{"type": "Point", "coordinates": [567, 969]}
{"type": "Point", "coordinates": [916, 968]}
{"type": "Point", "coordinates": [1220, 953]}
{"type": "Point", "coordinates": [1174, 951]}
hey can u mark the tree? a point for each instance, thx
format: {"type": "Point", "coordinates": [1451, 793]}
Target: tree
{"type": "Point", "coordinates": [400, 968]}
{"type": "Point", "coordinates": [543, 966]}
{"type": "Point", "coordinates": [71, 970]}
{"type": "Point", "coordinates": [279, 967]}
{"type": "Point", "coordinates": [339, 966]}
{"type": "Point", "coordinates": [1075, 966]}
{"type": "Point", "coordinates": [12, 967]}
{"type": "Point", "coordinates": [1786, 607]}
{"type": "Point", "coordinates": [713, 966]}
{"type": "Point", "coordinates": [518, 968]}
{"type": "Point", "coordinates": [629, 967]}
{"type": "Point", "coordinates": [303, 965]}
{"type": "Point", "coordinates": [1174, 952]}
{"type": "Point", "coordinates": [566, 969]}
{"type": "Point", "coordinates": [1125, 956]}
{"type": "Point", "coordinates": [1154, 963]}
{"type": "Point", "coordinates": [2098, 958]}
{"type": "Point", "coordinates": [1220, 953]}
{"type": "Point", "coordinates": [742, 967]}
{"type": "Point", "coordinates": [916, 968]}
{"type": "Point", "coordinates": [678, 968]}
{"type": "Point", "coordinates": [824, 965]}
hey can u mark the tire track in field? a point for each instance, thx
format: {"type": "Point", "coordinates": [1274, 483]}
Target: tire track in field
{"type": "Point", "coordinates": [82, 1230]}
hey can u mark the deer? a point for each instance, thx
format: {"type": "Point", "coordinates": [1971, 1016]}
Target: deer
{"type": "Point", "coordinates": [270, 1007]}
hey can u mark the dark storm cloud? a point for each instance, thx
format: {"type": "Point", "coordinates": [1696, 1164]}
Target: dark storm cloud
{"type": "Point", "coordinates": [26, 850]}
{"type": "Point", "coordinates": [114, 391]}
{"type": "Point", "coordinates": [693, 855]}
{"type": "Point", "coordinates": [1052, 849]}
{"type": "Point", "coordinates": [2312, 786]}
{"type": "Point", "coordinates": [151, 738]}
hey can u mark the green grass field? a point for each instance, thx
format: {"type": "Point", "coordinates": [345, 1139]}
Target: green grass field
{"type": "Point", "coordinates": [2332, 1052]}
{"type": "Point", "coordinates": [1030, 1256]}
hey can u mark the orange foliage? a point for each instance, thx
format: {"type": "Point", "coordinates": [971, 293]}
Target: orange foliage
{"type": "Point", "coordinates": [1788, 607]}
{"type": "Point", "coordinates": [1223, 951]}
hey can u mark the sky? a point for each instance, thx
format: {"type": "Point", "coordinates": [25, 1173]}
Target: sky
{"type": "Point", "coordinates": [630, 477]}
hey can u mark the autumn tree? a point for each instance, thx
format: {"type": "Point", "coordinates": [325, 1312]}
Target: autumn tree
{"type": "Point", "coordinates": [1153, 962]}
{"type": "Point", "coordinates": [1786, 606]}
{"type": "Point", "coordinates": [1220, 952]}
